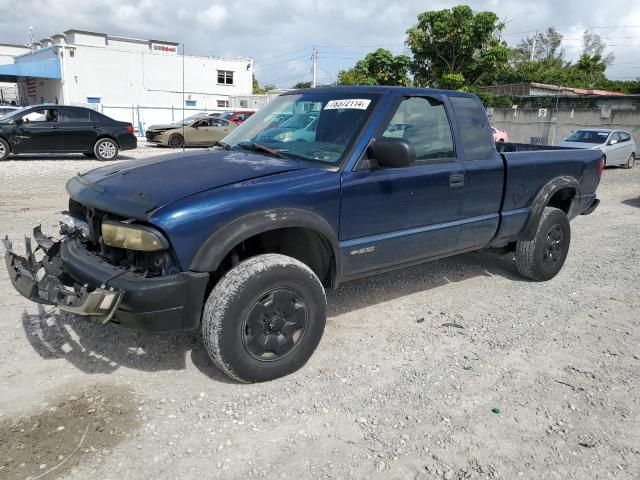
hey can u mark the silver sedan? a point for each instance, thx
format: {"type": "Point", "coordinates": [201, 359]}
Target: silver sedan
{"type": "Point", "coordinates": [619, 147]}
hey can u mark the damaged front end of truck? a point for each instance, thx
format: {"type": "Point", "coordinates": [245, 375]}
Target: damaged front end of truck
{"type": "Point", "coordinates": [45, 280]}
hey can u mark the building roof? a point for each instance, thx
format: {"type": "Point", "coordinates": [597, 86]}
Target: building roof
{"type": "Point", "coordinates": [577, 91]}
{"type": "Point", "coordinates": [118, 37]}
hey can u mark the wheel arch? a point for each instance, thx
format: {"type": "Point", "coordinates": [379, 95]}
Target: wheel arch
{"type": "Point", "coordinates": [104, 135]}
{"type": "Point", "coordinates": [560, 192]}
{"type": "Point", "coordinates": [290, 224]}
{"type": "Point", "coordinates": [3, 137]}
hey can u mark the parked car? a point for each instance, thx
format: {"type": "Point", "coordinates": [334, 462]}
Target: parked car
{"type": "Point", "coordinates": [64, 129]}
{"type": "Point", "coordinates": [296, 122]}
{"type": "Point", "coordinates": [306, 134]}
{"type": "Point", "coordinates": [242, 240]}
{"type": "Point", "coordinates": [499, 135]}
{"type": "Point", "coordinates": [619, 147]}
{"type": "Point", "coordinates": [201, 132]}
{"type": "Point", "coordinates": [238, 117]}
{"type": "Point", "coordinates": [6, 109]}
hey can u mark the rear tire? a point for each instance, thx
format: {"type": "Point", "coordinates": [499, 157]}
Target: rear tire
{"type": "Point", "coordinates": [630, 161]}
{"type": "Point", "coordinates": [176, 141]}
{"type": "Point", "coordinates": [542, 258]}
{"type": "Point", "coordinates": [105, 149]}
{"type": "Point", "coordinates": [264, 318]}
{"type": "Point", "coordinates": [5, 149]}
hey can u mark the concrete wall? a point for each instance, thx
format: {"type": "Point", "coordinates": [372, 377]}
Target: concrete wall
{"type": "Point", "coordinates": [552, 126]}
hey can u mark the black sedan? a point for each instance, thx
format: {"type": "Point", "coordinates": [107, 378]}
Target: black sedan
{"type": "Point", "coordinates": [64, 129]}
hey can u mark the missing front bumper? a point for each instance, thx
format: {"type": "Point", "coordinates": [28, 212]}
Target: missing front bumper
{"type": "Point", "coordinates": [43, 281]}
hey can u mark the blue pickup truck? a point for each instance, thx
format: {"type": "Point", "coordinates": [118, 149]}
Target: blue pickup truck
{"type": "Point", "coordinates": [243, 239]}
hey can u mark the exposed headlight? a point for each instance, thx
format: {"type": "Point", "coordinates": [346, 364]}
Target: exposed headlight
{"type": "Point", "coordinates": [133, 237]}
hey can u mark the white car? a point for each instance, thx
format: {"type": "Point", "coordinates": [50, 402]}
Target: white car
{"type": "Point", "coordinates": [618, 147]}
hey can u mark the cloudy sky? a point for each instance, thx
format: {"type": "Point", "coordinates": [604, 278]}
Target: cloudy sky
{"type": "Point", "coordinates": [279, 34]}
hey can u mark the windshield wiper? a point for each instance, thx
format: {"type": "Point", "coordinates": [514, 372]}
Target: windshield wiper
{"type": "Point", "coordinates": [226, 146]}
{"type": "Point", "coordinates": [257, 147]}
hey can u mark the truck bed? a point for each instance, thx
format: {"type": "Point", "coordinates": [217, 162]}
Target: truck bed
{"type": "Point", "coordinates": [530, 167]}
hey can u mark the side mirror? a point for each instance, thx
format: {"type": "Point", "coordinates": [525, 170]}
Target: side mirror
{"type": "Point", "coordinates": [18, 121]}
{"type": "Point", "coordinates": [392, 153]}
{"type": "Point", "coordinates": [613, 142]}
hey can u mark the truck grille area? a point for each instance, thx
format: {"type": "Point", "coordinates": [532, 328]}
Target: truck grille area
{"type": "Point", "coordinates": [148, 264]}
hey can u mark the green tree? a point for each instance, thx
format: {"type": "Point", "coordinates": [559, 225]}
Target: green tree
{"type": "Point", "coordinates": [378, 68]}
{"type": "Point", "coordinates": [457, 41]}
{"type": "Point", "coordinates": [592, 63]}
{"type": "Point", "coordinates": [546, 47]}
{"type": "Point", "coordinates": [302, 85]}
{"type": "Point", "coordinates": [257, 90]}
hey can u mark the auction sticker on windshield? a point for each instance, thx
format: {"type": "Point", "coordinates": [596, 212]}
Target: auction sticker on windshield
{"type": "Point", "coordinates": [353, 103]}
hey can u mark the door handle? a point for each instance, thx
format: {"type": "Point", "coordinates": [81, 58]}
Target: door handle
{"type": "Point", "coordinates": [54, 126]}
{"type": "Point", "coordinates": [456, 180]}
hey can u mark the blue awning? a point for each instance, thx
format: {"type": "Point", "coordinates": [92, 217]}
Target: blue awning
{"type": "Point", "coordinates": [35, 69]}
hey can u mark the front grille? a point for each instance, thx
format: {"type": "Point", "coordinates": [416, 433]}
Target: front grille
{"type": "Point", "coordinates": [152, 135]}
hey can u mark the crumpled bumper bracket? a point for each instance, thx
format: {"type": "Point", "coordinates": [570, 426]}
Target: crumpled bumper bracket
{"type": "Point", "coordinates": [41, 281]}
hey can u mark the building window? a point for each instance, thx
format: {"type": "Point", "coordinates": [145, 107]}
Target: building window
{"type": "Point", "coordinates": [225, 77]}
{"type": "Point", "coordinates": [190, 103]}
{"type": "Point", "coordinates": [244, 104]}
{"type": "Point", "coordinates": [93, 99]}
{"type": "Point", "coordinates": [223, 103]}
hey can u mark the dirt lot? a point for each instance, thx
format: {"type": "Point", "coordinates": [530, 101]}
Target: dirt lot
{"type": "Point", "coordinates": [390, 393]}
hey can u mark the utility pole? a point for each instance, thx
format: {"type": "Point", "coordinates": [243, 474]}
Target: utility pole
{"type": "Point", "coordinates": [533, 47]}
{"type": "Point", "coordinates": [314, 67]}
{"type": "Point", "coordinates": [30, 35]}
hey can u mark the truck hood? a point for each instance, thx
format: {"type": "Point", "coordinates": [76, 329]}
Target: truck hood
{"type": "Point", "coordinates": [135, 189]}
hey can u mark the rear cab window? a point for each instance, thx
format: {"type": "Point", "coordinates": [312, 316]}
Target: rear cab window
{"type": "Point", "coordinates": [475, 133]}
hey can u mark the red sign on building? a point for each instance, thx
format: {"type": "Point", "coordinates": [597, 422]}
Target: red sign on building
{"type": "Point", "coordinates": [31, 87]}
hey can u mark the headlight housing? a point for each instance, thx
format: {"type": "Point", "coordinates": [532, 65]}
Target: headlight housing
{"type": "Point", "coordinates": [133, 237]}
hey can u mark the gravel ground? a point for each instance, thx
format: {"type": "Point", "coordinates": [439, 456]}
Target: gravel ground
{"type": "Point", "coordinates": [526, 381]}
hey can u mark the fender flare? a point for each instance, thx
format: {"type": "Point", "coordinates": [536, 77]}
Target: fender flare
{"type": "Point", "coordinates": [220, 243]}
{"type": "Point", "coordinates": [542, 200]}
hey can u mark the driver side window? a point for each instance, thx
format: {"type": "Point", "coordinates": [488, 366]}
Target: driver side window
{"type": "Point", "coordinates": [422, 122]}
{"type": "Point", "coordinates": [38, 116]}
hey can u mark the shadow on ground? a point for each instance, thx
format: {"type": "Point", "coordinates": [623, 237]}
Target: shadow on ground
{"type": "Point", "coordinates": [632, 202]}
{"type": "Point", "coordinates": [104, 349]}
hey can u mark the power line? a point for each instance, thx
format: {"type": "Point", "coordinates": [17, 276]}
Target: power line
{"type": "Point", "coordinates": [283, 54]}
{"type": "Point", "coordinates": [280, 63]}
{"type": "Point", "coordinates": [284, 79]}
{"type": "Point", "coordinates": [362, 46]}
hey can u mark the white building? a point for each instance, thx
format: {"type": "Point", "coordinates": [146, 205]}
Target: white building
{"type": "Point", "coordinates": [136, 80]}
{"type": "Point", "coordinates": [9, 90]}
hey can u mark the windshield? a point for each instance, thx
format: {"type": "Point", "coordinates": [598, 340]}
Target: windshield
{"type": "Point", "coordinates": [13, 113]}
{"type": "Point", "coordinates": [588, 136]}
{"type": "Point", "coordinates": [330, 124]}
{"type": "Point", "coordinates": [189, 120]}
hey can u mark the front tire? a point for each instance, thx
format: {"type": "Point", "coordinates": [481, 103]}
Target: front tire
{"type": "Point", "coordinates": [264, 318]}
{"type": "Point", "coordinates": [176, 141]}
{"type": "Point", "coordinates": [542, 258]}
{"type": "Point", "coordinates": [105, 149]}
{"type": "Point", "coordinates": [5, 149]}
{"type": "Point", "coordinates": [630, 161]}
